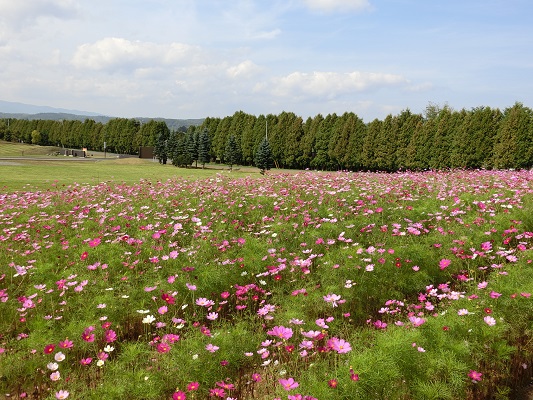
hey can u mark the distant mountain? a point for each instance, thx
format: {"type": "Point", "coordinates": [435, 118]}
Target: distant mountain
{"type": "Point", "coordinates": [21, 108]}
{"type": "Point", "coordinates": [31, 112]}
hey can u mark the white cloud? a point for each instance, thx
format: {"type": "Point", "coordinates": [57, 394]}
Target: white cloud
{"type": "Point", "coordinates": [267, 34]}
{"type": "Point", "coordinates": [337, 5]}
{"type": "Point", "coordinates": [330, 84]}
{"type": "Point", "coordinates": [245, 69]}
{"type": "Point", "coordinates": [13, 12]}
{"type": "Point", "coordinates": [123, 54]}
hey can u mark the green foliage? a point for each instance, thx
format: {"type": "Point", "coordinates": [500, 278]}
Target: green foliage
{"type": "Point", "coordinates": [36, 137]}
{"type": "Point", "coordinates": [513, 143]}
{"type": "Point", "coordinates": [204, 147]}
{"type": "Point", "coordinates": [438, 139]}
{"type": "Point", "coordinates": [263, 157]}
{"type": "Point", "coordinates": [161, 148]}
{"type": "Point", "coordinates": [232, 152]}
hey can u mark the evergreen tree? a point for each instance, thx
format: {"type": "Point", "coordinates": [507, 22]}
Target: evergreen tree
{"type": "Point", "coordinates": [419, 150]}
{"type": "Point", "coordinates": [406, 124]}
{"type": "Point", "coordinates": [232, 153]}
{"type": "Point", "coordinates": [191, 144]}
{"type": "Point", "coordinates": [447, 125]}
{"type": "Point", "coordinates": [513, 145]}
{"type": "Point", "coordinates": [160, 149]}
{"type": "Point", "coordinates": [321, 159]}
{"type": "Point", "coordinates": [177, 148]}
{"type": "Point", "coordinates": [263, 157]}
{"type": "Point", "coordinates": [204, 148]}
{"type": "Point", "coordinates": [385, 145]}
{"type": "Point", "coordinates": [220, 137]}
{"type": "Point", "coordinates": [356, 131]}
{"type": "Point", "coordinates": [369, 145]}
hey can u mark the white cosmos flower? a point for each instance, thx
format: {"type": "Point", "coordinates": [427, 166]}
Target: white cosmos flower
{"type": "Point", "coordinates": [52, 366]}
{"type": "Point", "coordinates": [148, 319]}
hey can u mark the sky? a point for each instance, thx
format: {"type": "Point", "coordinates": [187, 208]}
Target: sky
{"type": "Point", "coordinates": [211, 58]}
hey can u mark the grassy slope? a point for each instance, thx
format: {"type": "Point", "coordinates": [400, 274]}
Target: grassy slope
{"type": "Point", "coordinates": [33, 172]}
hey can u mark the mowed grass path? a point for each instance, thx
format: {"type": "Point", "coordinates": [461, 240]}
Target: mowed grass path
{"type": "Point", "coordinates": [36, 171]}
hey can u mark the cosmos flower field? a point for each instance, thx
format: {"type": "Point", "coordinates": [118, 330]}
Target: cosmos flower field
{"type": "Point", "coordinates": [285, 286]}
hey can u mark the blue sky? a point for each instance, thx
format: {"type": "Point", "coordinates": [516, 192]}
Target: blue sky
{"type": "Point", "coordinates": [193, 59]}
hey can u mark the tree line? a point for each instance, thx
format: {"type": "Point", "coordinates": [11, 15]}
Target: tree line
{"type": "Point", "coordinates": [439, 138]}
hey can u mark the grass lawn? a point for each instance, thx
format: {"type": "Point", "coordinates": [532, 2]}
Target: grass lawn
{"type": "Point", "coordinates": [35, 170]}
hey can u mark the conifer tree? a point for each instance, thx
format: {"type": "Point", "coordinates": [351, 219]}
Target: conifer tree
{"type": "Point", "coordinates": [513, 145]}
{"type": "Point", "coordinates": [191, 144]}
{"type": "Point", "coordinates": [232, 153]}
{"type": "Point", "coordinates": [160, 149]}
{"type": "Point", "coordinates": [204, 148]}
{"type": "Point", "coordinates": [263, 157]}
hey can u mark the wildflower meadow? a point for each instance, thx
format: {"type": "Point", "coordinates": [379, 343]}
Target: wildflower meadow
{"type": "Point", "coordinates": [299, 285]}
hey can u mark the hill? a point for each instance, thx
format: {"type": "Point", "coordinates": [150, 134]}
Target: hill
{"type": "Point", "coordinates": [33, 112]}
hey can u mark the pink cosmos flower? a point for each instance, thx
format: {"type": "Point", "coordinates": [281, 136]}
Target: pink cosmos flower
{"type": "Point", "coordinates": [202, 301]}
{"type": "Point", "coordinates": [321, 323]}
{"type": "Point", "coordinates": [163, 348]}
{"type": "Point", "coordinates": [490, 321]}
{"type": "Point", "coordinates": [353, 376]}
{"type": "Point", "coordinates": [211, 348]}
{"type": "Point", "coordinates": [486, 246]}
{"type": "Point", "coordinates": [94, 242]}
{"type": "Point", "coordinates": [482, 285]}
{"type": "Point", "coordinates": [225, 385]}
{"type": "Point", "coordinates": [110, 336]}
{"type": "Point", "coordinates": [380, 324]}
{"type": "Point", "coordinates": [281, 332]}
{"type": "Point", "coordinates": [171, 338]}
{"type": "Point", "coordinates": [217, 392]}
{"type": "Point", "coordinates": [416, 321]}
{"type": "Point", "coordinates": [179, 396]}
{"type": "Point", "coordinates": [55, 376]}
{"type": "Point", "coordinates": [444, 263]}
{"type": "Point", "coordinates": [339, 345]}
{"type": "Point", "coordinates": [87, 335]}
{"type": "Point", "coordinates": [193, 386]}
{"type": "Point", "coordinates": [474, 375]}
{"type": "Point", "coordinates": [332, 298]}
{"type": "Point", "coordinates": [62, 394]}
{"type": "Point", "coordinates": [288, 384]}
{"type": "Point", "coordinates": [212, 316]}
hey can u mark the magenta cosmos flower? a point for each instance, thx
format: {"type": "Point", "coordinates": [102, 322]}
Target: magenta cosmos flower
{"type": "Point", "coordinates": [179, 396]}
{"type": "Point", "coordinates": [281, 332]}
{"type": "Point", "coordinates": [444, 263]}
{"type": "Point", "coordinates": [339, 345]}
{"type": "Point", "coordinates": [474, 375]}
{"type": "Point", "coordinates": [288, 384]}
